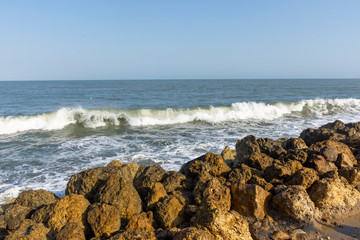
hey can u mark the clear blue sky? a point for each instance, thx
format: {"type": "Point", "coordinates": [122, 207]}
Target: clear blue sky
{"type": "Point", "coordinates": [149, 39]}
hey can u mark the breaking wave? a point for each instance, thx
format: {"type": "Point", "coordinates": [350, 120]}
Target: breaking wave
{"type": "Point", "coordinates": [93, 118]}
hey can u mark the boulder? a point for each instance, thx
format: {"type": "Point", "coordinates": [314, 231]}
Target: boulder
{"type": "Point", "coordinates": [250, 200]}
{"type": "Point", "coordinates": [229, 157]}
{"type": "Point", "coordinates": [35, 198]}
{"type": "Point", "coordinates": [294, 144]}
{"type": "Point", "coordinates": [216, 196]}
{"type": "Point", "coordinates": [71, 208]}
{"type": "Point", "coordinates": [30, 231]}
{"type": "Point", "coordinates": [142, 220]}
{"type": "Point", "coordinates": [189, 233]}
{"type": "Point", "coordinates": [304, 177]}
{"type": "Point", "coordinates": [312, 136]}
{"type": "Point", "coordinates": [293, 166]}
{"type": "Point", "coordinates": [169, 212]}
{"type": "Point", "coordinates": [271, 147]}
{"type": "Point", "coordinates": [296, 155]}
{"type": "Point", "coordinates": [196, 169]}
{"type": "Point", "coordinates": [332, 193]}
{"type": "Point", "coordinates": [259, 161]}
{"type": "Point", "coordinates": [246, 146]}
{"type": "Point", "coordinates": [120, 193]}
{"type": "Point", "coordinates": [352, 175]}
{"type": "Point", "coordinates": [157, 192]}
{"type": "Point", "coordinates": [14, 215]}
{"type": "Point", "coordinates": [261, 182]}
{"type": "Point", "coordinates": [277, 170]}
{"type": "Point", "coordinates": [215, 164]}
{"type": "Point", "coordinates": [344, 160]}
{"type": "Point", "coordinates": [71, 231]}
{"type": "Point", "coordinates": [322, 166]}
{"type": "Point", "coordinates": [223, 225]}
{"type": "Point", "coordinates": [184, 197]}
{"type": "Point", "coordinates": [239, 175]}
{"type": "Point", "coordinates": [330, 154]}
{"type": "Point", "coordinates": [336, 126]}
{"type": "Point", "coordinates": [294, 202]}
{"type": "Point", "coordinates": [103, 219]}
{"type": "Point", "coordinates": [174, 181]}
{"type": "Point", "coordinates": [146, 177]}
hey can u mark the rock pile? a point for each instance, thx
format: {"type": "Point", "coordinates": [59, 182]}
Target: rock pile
{"type": "Point", "coordinates": [264, 189]}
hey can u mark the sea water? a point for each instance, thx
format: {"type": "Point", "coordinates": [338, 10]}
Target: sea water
{"type": "Point", "coordinates": [50, 130]}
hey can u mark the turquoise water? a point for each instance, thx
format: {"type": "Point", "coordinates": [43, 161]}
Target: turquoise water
{"type": "Point", "coordinates": [50, 130]}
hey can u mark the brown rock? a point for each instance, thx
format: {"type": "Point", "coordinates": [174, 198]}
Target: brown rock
{"type": "Point", "coordinates": [239, 175]}
{"type": "Point", "coordinates": [229, 157]}
{"type": "Point", "coordinates": [261, 182]}
{"type": "Point", "coordinates": [330, 154]}
{"type": "Point", "coordinates": [322, 166]}
{"type": "Point", "coordinates": [71, 231]}
{"type": "Point", "coordinates": [103, 219]}
{"type": "Point", "coordinates": [157, 192]}
{"type": "Point", "coordinates": [297, 155]}
{"type": "Point", "coordinates": [35, 198]}
{"type": "Point", "coordinates": [71, 208]}
{"type": "Point", "coordinates": [312, 136]}
{"type": "Point", "coordinates": [214, 164]}
{"type": "Point", "coordinates": [42, 214]}
{"type": "Point", "coordinates": [174, 181]}
{"type": "Point", "coordinates": [293, 166]}
{"type": "Point", "coordinates": [169, 212]}
{"type": "Point", "coordinates": [294, 202]}
{"type": "Point", "coordinates": [184, 197]}
{"type": "Point", "coordinates": [343, 160]}
{"type": "Point", "coordinates": [352, 175]}
{"type": "Point", "coordinates": [304, 177]}
{"type": "Point", "coordinates": [146, 177]}
{"type": "Point", "coordinates": [250, 200]}
{"type": "Point", "coordinates": [216, 196]}
{"type": "Point", "coordinates": [294, 143]}
{"type": "Point", "coordinates": [337, 126]}
{"type": "Point", "coordinates": [280, 235]}
{"type": "Point", "coordinates": [143, 220]}
{"type": "Point", "coordinates": [271, 147]}
{"type": "Point", "coordinates": [120, 193]}
{"type": "Point", "coordinates": [115, 163]}
{"type": "Point", "coordinates": [224, 225]}
{"type": "Point", "coordinates": [15, 214]}
{"type": "Point", "coordinates": [277, 170]}
{"type": "Point", "coordinates": [246, 146]}
{"type": "Point", "coordinates": [190, 233]}
{"type": "Point", "coordinates": [259, 161]}
{"type": "Point", "coordinates": [29, 230]}
{"type": "Point", "coordinates": [196, 169]}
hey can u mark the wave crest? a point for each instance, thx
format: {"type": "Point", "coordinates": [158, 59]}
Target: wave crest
{"type": "Point", "coordinates": [93, 118]}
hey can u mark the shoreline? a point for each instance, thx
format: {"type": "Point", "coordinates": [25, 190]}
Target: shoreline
{"type": "Point", "coordinates": [292, 188]}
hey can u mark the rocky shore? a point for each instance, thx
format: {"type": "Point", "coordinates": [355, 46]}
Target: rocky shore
{"type": "Point", "coordinates": [264, 189]}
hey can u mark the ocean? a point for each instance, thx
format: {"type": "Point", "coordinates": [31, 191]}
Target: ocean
{"type": "Point", "coordinates": [50, 130]}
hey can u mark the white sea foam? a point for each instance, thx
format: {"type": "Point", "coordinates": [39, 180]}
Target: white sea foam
{"type": "Point", "coordinates": [91, 118]}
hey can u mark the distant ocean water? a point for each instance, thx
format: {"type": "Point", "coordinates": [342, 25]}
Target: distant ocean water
{"type": "Point", "coordinates": [50, 130]}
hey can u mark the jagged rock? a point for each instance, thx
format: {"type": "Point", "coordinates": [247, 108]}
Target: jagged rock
{"type": "Point", "coordinates": [296, 155]}
{"type": "Point", "coordinates": [280, 235]}
{"type": "Point", "coordinates": [330, 154]}
{"type": "Point", "coordinates": [103, 219]}
{"type": "Point", "coordinates": [259, 161]}
{"type": "Point", "coordinates": [352, 175]}
{"type": "Point", "coordinates": [169, 212]}
{"type": "Point", "coordinates": [115, 163]}
{"type": "Point", "coordinates": [196, 169]}
{"type": "Point", "coordinates": [88, 182]}
{"type": "Point", "coordinates": [298, 234]}
{"type": "Point", "coordinates": [339, 146]}
{"type": "Point", "coordinates": [312, 136]}
{"type": "Point", "coordinates": [189, 233]}
{"type": "Point", "coordinates": [294, 143]}
{"type": "Point", "coordinates": [146, 177]}
{"type": "Point", "coordinates": [343, 160]}
{"type": "Point", "coordinates": [229, 157]}
{"type": "Point", "coordinates": [322, 166]}
{"type": "Point", "coordinates": [271, 147]}
{"type": "Point", "coordinates": [35, 198]}
{"type": "Point", "coordinates": [293, 166]}
{"type": "Point", "coordinates": [239, 175]}
{"type": "Point", "coordinates": [261, 182]}
{"type": "Point", "coordinates": [30, 231]}
{"type": "Point", "coordinates": [277, 170]}
{"type": "Point", "coordinates": [174, 181]}
{"type": "Point", "coordinates": [184, 197]}
{"type": "Point", "coordinates": [224, 225]}
{"type": "Point", "coordinates": [141, 221]}
{"type": "Point", "coordinates": [120, 193]}
{"type": "Point", "coordinates": [333, 193]}
{"type": "Point", "coordinates": [246, 146]}
{"type": "Point", "coordinates": [15, 214]}
{"type": "Point", "coordinates": [250, 200]}
{"type": "Point", "coordinates": [337, 126]}
{"type": "Point", "coordinates": [216, 164]}
{"type": "Point", "coordinates": [6, 205]}
{"type": "Point", "coordinates": [294, 202]}
{"type": "Point", "coordinates": [71, 231]}
{"type": "Point", "coordinates": [216, 196]}
{"type": "Point", "coordinates": [71, 208]}
{"type": "Point", "coordinates": [304, 177]}
{"type": "Point", "coordinates": [157, 192]}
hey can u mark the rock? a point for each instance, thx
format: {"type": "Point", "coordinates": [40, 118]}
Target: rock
{"type": "Point", "coordinates": [174, 181]}
{"type": "Point", "coordinates": [184, 197]}
{"type": "Point", "coordinates": [352, 175]}
{"type": "Point", "coordinates": [333, 193]}
{"type": "Point", "coordinates": [295, 144]}
{"type": "Point", "coordinates": [246, 146]}
{"type": "Point", "coordinates": [229, 157]}
{"type": "Point", "coordinates": [271, 147]}
{"type": "Point", "coordinates": [330, 154]}
{"type": "Point", "coordinates": [71, 231]}
{"type": "Point", "coordinates": [337, 126]}
{"type": "Point", "coordinates": [261, 182]}
{"type": "Point", "coordinates": [35, 198]}
{"type": "Point", "coordinates": [239, 175]}
{"type": "Point", "coordinates": [277, 170]}
{"type": "Point", "coordinates": [312, 136]}
{"type": "Point", "coordinates": [296, 155]}
{"type": "Point", "coordinates": [298, 234]}
{"type": "Point", "coordinates": [88, 182]}
{"type": "Point", "coordinates": [15, 214]}
{"type": "Point", "coordinates": [304, 177]}
{"type": "Point", "coordinates": [120, 193]}
{"type": "Point", "coordinates": [280, 235]}
{"type": "Point", "coordinates": [189, 233]}
{"type": "Point", "coordinates": [71, 208]}
{"type": "Point", "coordinates": [216, 196]}
{"type": "Point", "coordinates": [294, 202]}
{"type": "Point", "coordinates": [42, 214]}
{"type": "Point", "coordinates": [157, 192]}
{"type": "Point", "coordinates": [224, 225]}
{"type": "Point", "coordinates": [146, 177]}
{"type": "Point", "coordinates": [343, 160]}
{"type": "Point", "coordinates": [30, 231]}
{"type": "Point", "coordinates": [250, 200]}
{"type": "Point", "coordinates": [169, 212]}
{"type": "Point", "coordinates": [143, 220]}
{"type": "Point", "coordinates": [196, 169]}
{"type": "Point", "coordinates": [115, 163]}
{"type": "Point", "coordinates": [293, 166]}
{"type": "Point", "coordinates": [216, 164]}
{"type": "Point", "coordinates": [6, 205]}
{"type": "Point", "coordinates": [103, 219]}
{"type": "Point", "coordinates": [322, 166]}
{"type": "Point", "coordinates": [339, 146]}
{"type": "Point", "coordinates": [259, 161]}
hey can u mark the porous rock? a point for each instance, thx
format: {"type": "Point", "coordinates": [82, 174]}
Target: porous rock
{"type": "Point", "coordinates": [174, 181]}
{"type": "Point", "coordinates": [189, 233]}
{"type": "Point", "coordinates": [35, 198]}
{"type": "Point", "coordinates": [15, 214]}
{"type": "Point", "coordinates": [71, 231]}
{"type": "Point", "coordinates": [157, 192]}
{"type": "Point", "coordinates": [169, 212]}
{"type": "Point", "coordinates": [304, 177]}
{"type": "Point", "coordinates": [146, 177]}
{"type": "Point", "coordinates": [259, 161]}
{"type": "Point", "coordinates": [216, 196]}
{"type": "Point", "coordinates": [29, 230]}
{"type": "Point", "coordinates": [103, 219]}
{"type": "Point", "coordinates": [246, 146]}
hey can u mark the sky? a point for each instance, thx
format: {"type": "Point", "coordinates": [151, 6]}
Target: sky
{"type": "Point", "coordinates": [198, 39]}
